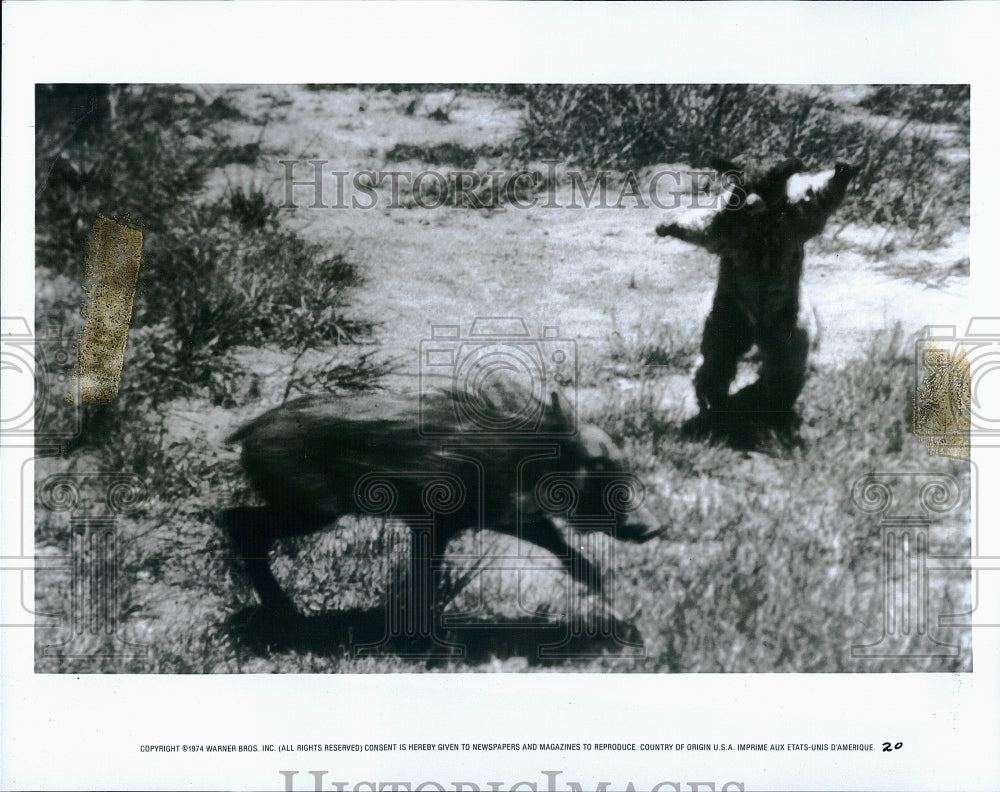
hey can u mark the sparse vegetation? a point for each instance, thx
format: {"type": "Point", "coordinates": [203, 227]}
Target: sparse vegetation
{"type": "Point", "coordinates": [903, 170]}
{"type": "Point", "coordinates": [440, 154]}
{"type": "Point", "coordinates": [933, 104]}
{"type": "Point", "coordinates": [767, 565]}
{"type": "Point", "coordinates": [907, 181]}
{"type": "Point", "coordinates": [207, 281]}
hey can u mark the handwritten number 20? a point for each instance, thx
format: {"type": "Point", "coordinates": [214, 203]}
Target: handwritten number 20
{"type": "Point", "coordinates": [886, 747]}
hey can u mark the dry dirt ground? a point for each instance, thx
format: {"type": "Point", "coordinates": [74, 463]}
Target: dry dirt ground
{"type": "Point", "coordinates": [599, 275]}
{"type": "Point", "coordinates": [591, 272]}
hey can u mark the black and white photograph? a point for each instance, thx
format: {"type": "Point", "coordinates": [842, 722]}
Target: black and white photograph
{"type": "Point", "coordinates": [503, 377]}
{"type": "Point", "coordinates": [432, 398]}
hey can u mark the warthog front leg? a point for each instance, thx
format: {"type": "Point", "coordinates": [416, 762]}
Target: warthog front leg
{"type": "Point", "coordinates": [254, 530]}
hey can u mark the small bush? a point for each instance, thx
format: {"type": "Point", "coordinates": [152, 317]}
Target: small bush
{"type": "Point", "coordinates": [218, 284]}
{"type": "Point", "coordinates": [904, 181]}
{"type": "Point", "coordinates": [440, 154]}
{"type": "Point", "coordinates": [214, 275]}
{"type": "Point", "coordinates": [933, 104]}
{"type": "Point", "coordinates": [140, 150]}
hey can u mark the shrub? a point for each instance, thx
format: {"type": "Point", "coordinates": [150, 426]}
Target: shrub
{"type": "Point", "coordinates": [141, 150]}
{"type": "Point", "coordinates": [934, 104]}
{"type": "Point", "coordinates": [214, 275]}
{"type": "Point", "coordinates": [631, 126]}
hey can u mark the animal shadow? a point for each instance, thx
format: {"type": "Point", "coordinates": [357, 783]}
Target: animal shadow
{"type": "Point", "coordinates": [365, 632]}
{"type": "Point", "coordinates": [747, 429]}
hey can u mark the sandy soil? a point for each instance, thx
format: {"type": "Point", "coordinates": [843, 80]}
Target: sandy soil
{"type": "Point", "coordinates": [590, 272]}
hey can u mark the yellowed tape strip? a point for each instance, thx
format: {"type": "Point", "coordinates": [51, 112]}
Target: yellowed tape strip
{"type": "Point", "coordinates": [110, 273]}
{"type": "Point", "coordinates": [942, 412]}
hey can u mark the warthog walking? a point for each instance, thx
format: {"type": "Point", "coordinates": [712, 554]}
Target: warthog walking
{"type": "Point", "coordinates": [505, 460]}
{"type": "Point", "coordinates": [759, 231]}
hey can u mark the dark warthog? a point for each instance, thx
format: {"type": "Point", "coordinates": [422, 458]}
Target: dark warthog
{"type": "Point", "coordinates": [442, 463]}
{"type": "Point", "coordinates": [759, 231]}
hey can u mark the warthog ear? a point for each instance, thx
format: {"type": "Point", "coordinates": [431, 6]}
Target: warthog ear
{"type": "Point", "coordinates": [562, 411]}
{"type": "Point", "coordinates": [557, 410]}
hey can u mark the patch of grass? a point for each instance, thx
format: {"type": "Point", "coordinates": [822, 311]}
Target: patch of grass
{"type": "Point", "coordinates": [779, 570]}
{"type": "Point", "coordinates": [905, 180]}
{"type": "Point", "coordinates": [928, 274]}
{"type": "Point", "coordinates": [214, 276]}
{"type": "Point", "coordinates": [252, 208]}
{"type": "Point", "coordinates": [217, 277]}
{"type": "Point", "coordinates": [933, 104]}
{"type": "Point", "coordinates": [651, 349]}
{"type": "Point", "coordinates": [767, 564]}
{"type": "Point", "coordinates": [456, 154]}
{"type": "Point", "coordinates": [140, 150]}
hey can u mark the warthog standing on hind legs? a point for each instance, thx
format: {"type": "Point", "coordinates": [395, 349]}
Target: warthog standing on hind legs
{"type": "Point", "coordinates": [759, 231]}
{"type": "Point", "coordinates": [420, 459]}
